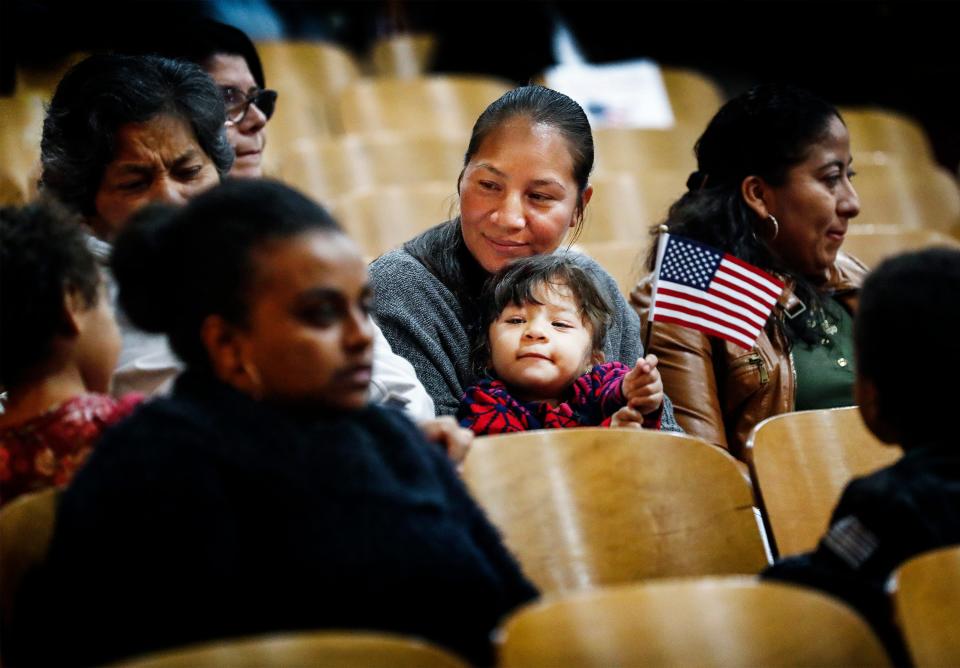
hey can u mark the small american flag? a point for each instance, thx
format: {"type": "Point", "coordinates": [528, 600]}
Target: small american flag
{"type": "Point", "coordinates": [700, 287]}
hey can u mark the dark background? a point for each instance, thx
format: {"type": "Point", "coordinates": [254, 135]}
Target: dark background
{"type": "Point", "coordinates": [898, 54]}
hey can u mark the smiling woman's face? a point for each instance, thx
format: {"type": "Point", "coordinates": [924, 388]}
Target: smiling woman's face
{"type": "Point", "coordinates": [518, 196]}
{"type": "Point", "coordinates": [815, 204]}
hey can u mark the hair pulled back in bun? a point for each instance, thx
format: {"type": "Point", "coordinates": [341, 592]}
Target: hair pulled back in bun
{"type": "Point", "coordinates": [177, 266]}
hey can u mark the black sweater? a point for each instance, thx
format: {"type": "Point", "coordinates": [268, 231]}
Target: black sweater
{"type": "Point", "coordinates": [208, 515]}
{"type": "Point", "coordinates": [881, 521]}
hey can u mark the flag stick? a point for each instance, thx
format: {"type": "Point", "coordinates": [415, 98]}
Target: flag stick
{"type": "Point", "coordinates": [661, 249]}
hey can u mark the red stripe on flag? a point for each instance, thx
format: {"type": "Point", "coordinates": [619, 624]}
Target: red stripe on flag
{"type": "Point", "coordinates": [754, 270]}
{"type": "Point", "coordinates": [738, 326]}
{"type": "Point", "coordinates": [705, 330]}
{"type": "Point", "coordinates": [749, 281]}
{"type": "Point", "coordinates": [736, 300]}
{"type": "Point", "coordinates": [706, 302]}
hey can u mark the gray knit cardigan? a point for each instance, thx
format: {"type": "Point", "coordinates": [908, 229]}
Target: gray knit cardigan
{"type": "Point", "coordinates": [424, 322]}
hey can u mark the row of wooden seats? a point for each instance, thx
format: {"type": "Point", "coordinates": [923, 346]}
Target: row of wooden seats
{"type": "Point", "coordinates": [331, 167]}
{"type": "Point", "coordinates": [705, 622]}
{"type": "Point", "coordinates": [617, 224]}
{"type": "Point", "coordinates": [693, 96]}
{"type": "Point", "coordinates": [678, 621]}
{"type": "Point", "coordinates": [638, 172]}
{"type": "Point", "coordinates": [722, 622]}
{"type": "Point", "coordinates": [399, 94]}
{"type": "Point", "coordinates": [592, 506]}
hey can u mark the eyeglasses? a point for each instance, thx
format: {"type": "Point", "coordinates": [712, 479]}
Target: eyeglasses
{"type": "Point", "coordinates": [237, 103]}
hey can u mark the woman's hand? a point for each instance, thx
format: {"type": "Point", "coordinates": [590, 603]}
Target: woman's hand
{"type": "Point", "coordinates": [642, 386]}
{"type": "Point", "coordinates": [445, 431]}
{"type": "Point", "coordinates": [627, 417]}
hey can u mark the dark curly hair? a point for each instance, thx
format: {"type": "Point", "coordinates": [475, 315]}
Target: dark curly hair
{"type": "Point", "coordinates": [104, 92]}
{"type": "Point", "coordinates": [516, 284]}
{"type": "Point", "coordinates": [43, 254]}
{"type": "Point", "coordinates": [763, 132]}
{"type": "Point", "coordinates": [204, 250]}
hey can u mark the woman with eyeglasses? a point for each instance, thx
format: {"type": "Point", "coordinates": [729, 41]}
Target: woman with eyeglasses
{"type": "Point", "coordinates": [231, 60]}
{"type": "Point", "coordinates": [122, 132]}
{"type": "Point", "coordinates": [125, 131]}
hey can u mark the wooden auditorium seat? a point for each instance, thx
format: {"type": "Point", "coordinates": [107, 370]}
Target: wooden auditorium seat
{"type": "Point", "coordinates": [403, 55]}
{"type": "Point", "coordinates": [875, 129]}
{"type": "Point", "coordinates": [330, 649]}
{"type": "Point", "coordinates": [587, 507]}
{"type": "Point", "coordinates": [441, 103]}
{"type": "Point", "coordinates": [639, 149]}
{"type": "Point", "coordinates": [704, 622]}
{"type": "Point", "coordinates": [910, 194]}
{"type": "Point", "coordinates": [926, 594]}
{"type": "Point", "coordinates": [625, 205]}
{"type": "Point", "coordinates": [626, 261]}
{"type": "Point", "coordinates": [323, 66]}
{"type": "Point", "coordinates": [309, 77]}
{"type": "Point", "coordinates": [11, 192]}
{"type": "Point", "coordinates": [21, 126]}
{"type": "Point", "coordinates": [383, 218]}
{"type": "Point", "coordinates": [26, 527]}
{"type": "Point", "coordinates": [872, 244]}
{"type": "Point", "coordinates": [800, 463]}
{"type": "Point", "coordinates": [43, 80]}
{"type": "Point", "coordinates": [694, 96]}
{"type": "Point", "coordinates": [327, 168]}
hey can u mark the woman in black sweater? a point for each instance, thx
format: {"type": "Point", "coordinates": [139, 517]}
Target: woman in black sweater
{"type": "Point", "coordinates": [265, 494]}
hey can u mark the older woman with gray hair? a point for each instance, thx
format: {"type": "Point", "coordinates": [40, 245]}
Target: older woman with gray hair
{"type": "Point", "coordinates": [123, 131]}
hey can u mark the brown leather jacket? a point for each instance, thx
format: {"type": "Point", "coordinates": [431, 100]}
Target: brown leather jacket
{"type": "Point", "coordinates": [721, 391]}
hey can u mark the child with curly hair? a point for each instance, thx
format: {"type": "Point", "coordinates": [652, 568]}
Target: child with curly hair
{"type": "Point", "coordinates": [541, 354]}
{"type": "Point", "coordinates": [60, 345]}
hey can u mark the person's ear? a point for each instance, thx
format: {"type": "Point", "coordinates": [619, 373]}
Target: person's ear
{"type": "Point", "coordinates": [75, 309]}
{"type": "Point", "coordinates": [597, 358]}
{"type": "Point", "coordinates": [584, 200]}
{"type": "Point", "coordinates": [229, 354]}
{"type": "Point", "coordinates": [867, 398]}
{"type": "Point", "coordinates": [758, 195]}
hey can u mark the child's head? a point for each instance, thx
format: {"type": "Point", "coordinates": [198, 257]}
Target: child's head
{"type": "Point", "coordinates": [909, 302]}
{"type": "Point", "coordinates": [257, 284]}
{"type": "Point", "coordinates": [54, 310]}
{"type": "Point", "coordinates": [544, 325]}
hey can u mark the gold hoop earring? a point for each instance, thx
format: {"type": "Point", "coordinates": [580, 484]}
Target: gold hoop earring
{"type": "Point", "coordinates": [776, 226]}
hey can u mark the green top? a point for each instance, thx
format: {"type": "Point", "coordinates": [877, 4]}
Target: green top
{"type": "Point", "coordinates": [825, 370]}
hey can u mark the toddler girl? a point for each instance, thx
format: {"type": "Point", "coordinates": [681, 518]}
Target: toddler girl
{"type": "Point", "coordinates": [541, 352]}
{"type": "Point", "coordinates": [60, 345]}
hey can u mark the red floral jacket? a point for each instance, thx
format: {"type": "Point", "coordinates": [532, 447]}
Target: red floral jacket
{"type": "Point", "coordinates": [489, 408]}
{"type": "Point", "coordinates": [47, 450]}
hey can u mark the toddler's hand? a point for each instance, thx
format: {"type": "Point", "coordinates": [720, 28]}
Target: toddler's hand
{"type": "Point", "coordinates": [627, 417]}
{"type": "Point", "coordinates": [642, 386]}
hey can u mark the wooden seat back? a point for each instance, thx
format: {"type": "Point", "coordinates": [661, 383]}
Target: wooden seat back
{"type": "Point", "coordinates": [697, 622]}
{"type": "Point", "coordinates": [592, 506]}
{"type": "Point", "coordinates": [801, 462]}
